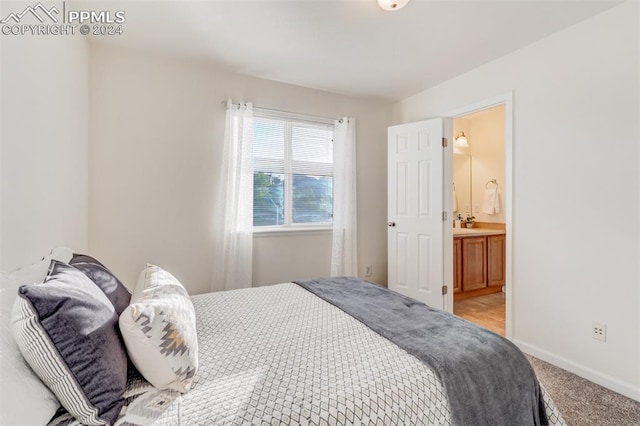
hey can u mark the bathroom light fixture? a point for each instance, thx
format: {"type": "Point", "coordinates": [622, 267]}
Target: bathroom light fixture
{"type": "Point", "coordinates": [392, 4]}
{"type": "Point", "coordinates": [461, 140]}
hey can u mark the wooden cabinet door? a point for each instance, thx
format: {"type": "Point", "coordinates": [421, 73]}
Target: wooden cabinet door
{"type": "Point", "coordinates": [474, 263]}
{"type": "Point", "coordinates": [457, 265]}
{"type": "Point", "coordinates": [496, 259]}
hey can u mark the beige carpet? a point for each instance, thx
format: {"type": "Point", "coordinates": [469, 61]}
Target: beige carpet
{"type": "Point", "coordinates": [583, 403]}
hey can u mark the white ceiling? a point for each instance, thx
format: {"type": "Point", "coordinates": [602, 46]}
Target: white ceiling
{"type": "Point", "coordinates": [350, 47]}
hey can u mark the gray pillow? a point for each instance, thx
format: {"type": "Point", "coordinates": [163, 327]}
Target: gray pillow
{"type": "Point", "coordinates": [67, 330]}
{"type": "Point", "coordinates": [103, 278]}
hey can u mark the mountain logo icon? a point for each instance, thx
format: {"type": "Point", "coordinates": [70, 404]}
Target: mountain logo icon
{"type": "Point", "coordinates": [38, 11]}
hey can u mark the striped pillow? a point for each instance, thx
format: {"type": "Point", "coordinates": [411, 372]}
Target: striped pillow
{"type": "Point", "coordinates": [67, 330]}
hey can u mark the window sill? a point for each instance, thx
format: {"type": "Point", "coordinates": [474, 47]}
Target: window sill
{"type": "Point", "coordinates": [268, 231]}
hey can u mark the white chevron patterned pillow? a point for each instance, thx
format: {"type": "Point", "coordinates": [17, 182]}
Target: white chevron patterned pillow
{"type": "Point", "coordinates": [159, 330]}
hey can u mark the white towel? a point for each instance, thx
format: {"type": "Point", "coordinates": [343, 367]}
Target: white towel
{"type": "Point", "coordinates": [491, 203]}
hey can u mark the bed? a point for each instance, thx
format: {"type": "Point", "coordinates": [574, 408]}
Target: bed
{"type": "Point", "coordinates": [282, 355]}
{"type": "Point", "coordinates": [328, 351]}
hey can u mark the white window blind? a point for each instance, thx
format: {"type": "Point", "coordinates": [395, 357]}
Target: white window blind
{"type": "Point", "coordinates": [293, 171]}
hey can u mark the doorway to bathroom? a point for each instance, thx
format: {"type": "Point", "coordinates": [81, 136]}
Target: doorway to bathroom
{"type": "Point", "coordinates": [482, 214]}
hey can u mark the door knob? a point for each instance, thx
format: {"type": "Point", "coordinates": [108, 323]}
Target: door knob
{"type": "Point", "coordinates": [391, 224]}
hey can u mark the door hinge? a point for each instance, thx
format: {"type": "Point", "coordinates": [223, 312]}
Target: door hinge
{"type": "Point", "coordinates": [444, 142]}
{"type": "Point", "coordinates": [444, 290]}
{"type": "Point", "coordinates": [444, 216]}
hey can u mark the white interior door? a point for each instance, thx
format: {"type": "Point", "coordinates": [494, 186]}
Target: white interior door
{"type": "Point", "coordinates": [418, 229]}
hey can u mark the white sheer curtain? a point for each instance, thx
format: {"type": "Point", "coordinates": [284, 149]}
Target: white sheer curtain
{"type": "Point", "coordinates": [344, 250]}
{"type": "Point", "coordinates": [233, 250]}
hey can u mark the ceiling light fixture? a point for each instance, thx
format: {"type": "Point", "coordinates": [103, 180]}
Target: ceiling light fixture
{"type": "Point", "coordinates": [392, 4]}
{"type": "Point", "coordinates": [461, 140]}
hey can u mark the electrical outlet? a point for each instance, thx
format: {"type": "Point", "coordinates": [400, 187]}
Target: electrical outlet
{"type": "Point", "coordinates": [599, 331]}
{"type": "Point", "coordinates": [367, 270]}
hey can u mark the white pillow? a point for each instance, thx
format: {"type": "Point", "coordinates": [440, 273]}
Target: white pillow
{"type": "Point", "coordinates": [159, 330]}
{"type": "Point", "coordinates": [24, 399]}
{"type": "Point", "coordinates": [36, 272]}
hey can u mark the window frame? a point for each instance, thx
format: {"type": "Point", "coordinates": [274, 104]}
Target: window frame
{"type": "Point", "coordinates": [289, 226]}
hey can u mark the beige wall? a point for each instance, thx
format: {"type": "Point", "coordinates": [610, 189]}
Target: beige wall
{"type": "Point", "coordinates": [270, 250]}
{"type": "Point", "coordinates": [576, 166]}
{"type": "Point", "coordinates": [487, 148]}
{"type": "Point", "coordinates": [44, 198]}
{"type": "Point", "coordinates": [156, 128]}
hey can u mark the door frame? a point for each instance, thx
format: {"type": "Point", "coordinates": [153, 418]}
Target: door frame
{"type": "Point", "coordinates": [505, 99]}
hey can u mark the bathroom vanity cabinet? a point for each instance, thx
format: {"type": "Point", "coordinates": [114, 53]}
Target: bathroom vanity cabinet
{"type": "Point", "coordinates": [478, 263]}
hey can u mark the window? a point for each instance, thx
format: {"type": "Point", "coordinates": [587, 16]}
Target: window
{"type": "Point", "coordinates": [292, 171]}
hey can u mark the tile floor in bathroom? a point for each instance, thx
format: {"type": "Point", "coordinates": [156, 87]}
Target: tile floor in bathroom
{"type": "Point", "coordinates": [486, 311]}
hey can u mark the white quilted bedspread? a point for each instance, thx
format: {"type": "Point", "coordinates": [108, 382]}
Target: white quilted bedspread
{"type": "Point", "coordinates": [280, 355]}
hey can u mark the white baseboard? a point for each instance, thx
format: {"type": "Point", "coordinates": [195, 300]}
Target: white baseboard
{"type": "Point", "coordinates": [627, 389]}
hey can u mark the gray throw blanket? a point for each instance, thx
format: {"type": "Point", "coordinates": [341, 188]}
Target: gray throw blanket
{"type": "Point", "coordinates": [487, 378]}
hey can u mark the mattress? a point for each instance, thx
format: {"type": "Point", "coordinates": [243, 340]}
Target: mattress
{"type": "Point", "coordinates": [281, 355]}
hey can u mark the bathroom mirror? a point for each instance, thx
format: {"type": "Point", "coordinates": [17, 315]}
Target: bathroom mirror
{"type": "Point", "coordinates": [462, 184]}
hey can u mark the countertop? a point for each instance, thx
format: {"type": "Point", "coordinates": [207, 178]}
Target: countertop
{"type": "Point", "coordinates": [476, 232]}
